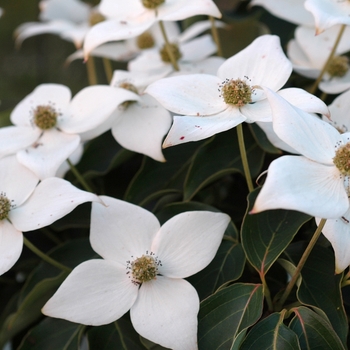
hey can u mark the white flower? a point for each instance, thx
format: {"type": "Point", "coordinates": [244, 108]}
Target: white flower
{"type": "Point", "coordinates": [131, 18]}
{"type": "Point", "coordinates": [68, 18]}
{"type": "Point", "coordinates": [48, 123]}
{"type": "Point", "coordinates": [327, 13]}
{"type": "Point", "coordinates": [316, 183]}
{"type": "Point", "coordinates": [309, 54]}
{"type": "Point", "coordinates": [26, 206]}
{"type": "Point", "coordinates": [138, 124]}
{"type": "Point", "coordinates": [142, 270]}
{"type": "Point", "coordinates": [290, 10]}
{"type": "Point", "coordinates": [212, 104]}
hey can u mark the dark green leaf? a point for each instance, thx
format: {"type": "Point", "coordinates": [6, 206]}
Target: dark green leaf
{"type": "Point", "coordinates": [53, 334]}
{"type": "Point", "coordinates": [226, 313]}
{"type": "Point", "coordinates": [271, 333]}
{"type": "Point", "coordinates": [119, 335]}
{"type": "Point", "coordinates": [266, 235]}
{"type": "Point", "coordinates": [314, 331]}
{"type": "Point", "coordinates": [262, 140]}
{"type": "Point", "coordinates": [218, 157]}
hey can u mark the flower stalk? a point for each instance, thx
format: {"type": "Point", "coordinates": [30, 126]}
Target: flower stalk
{"type": "Point", "coordinates": [168, 47]}
{"type": "Point", "coordinates": [79, 177]}
{"type": "Point", "coordinates": [91, 71]}
{"type": "Point", "coordinates": [215, 34]}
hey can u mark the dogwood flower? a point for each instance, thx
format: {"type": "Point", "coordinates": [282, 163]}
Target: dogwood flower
{"type": "Point", "coordinates": [316, 183]}
{"type": "Point", "coordinates": [138, 124]}
{"type": "Point", "coordinates": [327, 13]}
{"type": "Point", "coordinates": [309, 55]}
{"type": "Point", "coordinates": [47, 124]}
{"type": "Point", "coordinates": [290, 10]}
{"type": "Point", "coordinates": [132, 18]}
{"type": "Point", "coordinates": [142, 270]}
{"type": "Point", "coordinates": [70, 19]}
{"type": "Point", "coordinates": [212, 104]}
{"type": "Point", "coordinates": [27, 206]}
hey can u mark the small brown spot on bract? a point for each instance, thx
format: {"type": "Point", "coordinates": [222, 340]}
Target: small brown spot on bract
{"type": "Point", "coordinates": [182, 137]}
{"type": "Point", "coordinates": [263, 56]}
{"type": "Point", "coordinates": [197, 114]}
{"type": "Point", "coordinates": [123, 22]}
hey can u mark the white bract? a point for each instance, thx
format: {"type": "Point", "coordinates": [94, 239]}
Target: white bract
{"type": "Point", "coordinates": [127, 19]}
{"type": "Point", "coordinates": [212, 104]}
{"type": "Point", "coordinates": [27, 206]}
{"type": "Point", "coordinates": [142, 270]}
{"type": "Point", "coordinates": [290, 10]}
{"type": "Point", "coordinates": [48, 124]}
{"type": "Point", "coordinates": [328, 13]}
{"type": "Point", "coordinates": [309, 54]}
{"type": "Point", "coordinates": [70, 19]}
{"type": "Point", "coordinates": [316, 183]}
{"type": "Point", "coordinates": [138, 124]}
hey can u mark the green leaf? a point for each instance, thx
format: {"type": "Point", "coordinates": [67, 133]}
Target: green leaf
{"type": "Point", "coordinates": [322, 288]}
{"type": "Point", "coordinates": [314, 331]}
{"type": "Point", "coordinates": [119, 335]}
{"type": "Point", "coordinates": [155, 179]}
{"type": "Point", "coordinates": [53, 334]}
{"type": "Point", "coordinates": [266, 235]}
{"type": "Point", "coordinates": [271, 333]}
{"type": "Point", "coordinates": [218, 157]}
{"type": "Point", "coordinates": [226, 313]}
{"type": "Point", "coordinates": [5, 118]}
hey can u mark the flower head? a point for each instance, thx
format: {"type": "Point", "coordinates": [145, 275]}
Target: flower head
{"type": "Point", "coordinates": [142, 270]}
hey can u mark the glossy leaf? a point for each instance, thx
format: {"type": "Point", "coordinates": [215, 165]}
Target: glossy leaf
{"type": "Point", "coordinates": [271, 333]}
{"type": "Point", "coordinates": [119, 335]}
{"type": "Point", "coordinates": [266, 235]}
{"type": "Point", "coordinates": [218, 157]}
{"type": "Point", "coordinates": [313, 330]}
{"type": "Point", "coordinates": [226, 313]}
{"type": "Point", "coordinates": [53, 334]}
{"type": "Point", "coordinates": [321, 287]}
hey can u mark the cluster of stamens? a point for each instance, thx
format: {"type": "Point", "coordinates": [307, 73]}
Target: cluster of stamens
{"type": "Point", "coordinates": [145, 41]}
{"type": "Point", "coordinates": [342, 159]}
{"type": "Point", "coordinates": [143, 269]}
{"type": "Point", "coordinates": [128, 86]}
{"type": "Point", "coordinates": [236, 92]}
{"type": "Point", "coordinates": [164, 53]}
{"type": "Point", "coordinates": [45, 117]}
{"type": "Point", "coordinates": [152, 4]}
{"type": "Point", "coordinates": [5, 206]}
{"type": "Point", "coordinates": [338, 66]}
{"type": "Point", "coordinates": [96, 17]}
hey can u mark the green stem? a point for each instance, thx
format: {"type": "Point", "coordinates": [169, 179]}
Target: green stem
{"type": "Point", "coordinates": [244, 158]}
{"type": "Point", "coordinates": [79, 177]}
{"type": "Point", "coordinates": [215, 34]}
{"type": "Point", "coordinates": [50, 235]}
{"type": "Point", "coordinates": [301, 264]}
{"type": "Point", "coordinates": [331, 55]}
{"type": "Point", "coordinates": [91, 71]}
{"type": "Point", "coordinates": [168, 48]}
{"type": "Point", "coordinates": [45, 257]}
{"type": "Point", "coordinates": [108, 69]}
{"type": "Point", "coordinates": [267, 293]}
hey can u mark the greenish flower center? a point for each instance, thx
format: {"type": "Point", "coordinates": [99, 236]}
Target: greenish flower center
{"type": "Point", "coordinates": [5, 206]}
{"type": "Point", "coordinates": [152, 4]}
{"type": "Point", "coordinates": [128, 86]}
{"type": "Point", "coordinates": [144, 269]}
{"type": "Point", "coordinates": [164, 54]}
{"type": "Point", "coordinates": [96, 17]}
{"type": "Point", "coordinates": [145, 41]}
{"type": "Point", "coordinates": [45, 117]}
{"type": "Point", "coordinates": [342, 159]}
{"type": "Point", "coordinates": [338, 66]}
{"type": "Point", "coordinates": [236, 92]}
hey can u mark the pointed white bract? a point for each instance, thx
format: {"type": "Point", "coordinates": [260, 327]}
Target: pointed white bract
{"type": "Point", "coordinates": [164, 307]}
{"type": "Point", "coordinates": [328, 13]}
{"type": "Point", "coordinates": [44, 149]}
{"type": "Point", "coordinates": [310, 183]}
{"type": "Point", "coordinates": [26, 206]}
{"type": "Point", "coordinates": [130, 19]}
{"type": "Point", "coordinates": [200, 98]}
